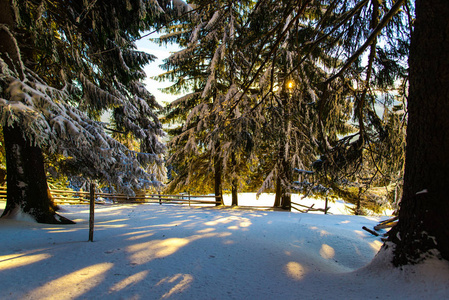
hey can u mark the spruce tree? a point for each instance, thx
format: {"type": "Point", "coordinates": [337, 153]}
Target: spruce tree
{"type": "Point", "coordinates": [209, 67]}
{"type": "Point", "coordinates": [422, 231]}
{"type": "Point", "coordinates": [63, 64]}
{"type": "Point", "coordinates": [312, 41]}
{"type": "Point", "coordinates": [286, 72]}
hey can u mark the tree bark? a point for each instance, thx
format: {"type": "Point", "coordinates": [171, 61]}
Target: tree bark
{"type": "Point", "coordinates": [234, 191]}
{"type": "Point", "coordinates": [26, 180]}
{"type": "Point", "coordinates": [424, 208]}
{"type": "Point", "coordinates": [28, 191]}
{"type": "Point", "coordinates": [234, 183]}
{"type": "Point", "coordinates": [358, 210]}
{"type": "Point", "coordinates": [287, 201]}
{"type": "Point", "coordinates": [278, 195]}
{"type": "Point", "coordinates": [217, 180]}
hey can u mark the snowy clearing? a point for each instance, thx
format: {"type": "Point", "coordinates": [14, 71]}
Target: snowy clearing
{"type": "Point", "coordinates": [181, 252]}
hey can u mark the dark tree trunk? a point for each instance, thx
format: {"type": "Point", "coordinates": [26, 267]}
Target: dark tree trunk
{"type": "Point", "coordinates": [26, 181]}
{"type": "Point", "coordinates": [234, 191]}
{"type": "Point", "coordinates": [282, 198]}
{"type": "Point", "coordinates": [234, 183]}
{"type": "Point", "coordinates": [217, 180]}
{"type": "Point", "coordinates": [358, 209]}
{"type": "Point", "coordinates": [424, 207]}
{"type": "Point", "coordinates": [286, 198]}
{"type": "Point", "coordinates": [278, 195]}
{"type": "Point", "coordinates": [287, 201]}
{"type": "Point", "coordinates": [28, 192]}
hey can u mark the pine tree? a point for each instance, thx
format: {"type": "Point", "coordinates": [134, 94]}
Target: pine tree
{"type": "Point", "coordinates": [64, 64]}
{"type": "Point", "coordinates": [422, 230]}
{"type": "Point", "coordinates": [356, 158]}
{"type": "Point", "coordinates": [311, 42]}
{"type": "Point", "coordinates": [209, 67]}
{"type": "Point", "coordinates": [382, 31]}
{"type": "Point", "coordinates": [287, 80]}
{"type": "Point", "coordinates": [368, 43]}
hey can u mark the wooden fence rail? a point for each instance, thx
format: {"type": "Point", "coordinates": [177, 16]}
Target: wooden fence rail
{"type": "Point", "coordinates": [305, 209]}
{"type": "Point", "coordinates": [82, 197]}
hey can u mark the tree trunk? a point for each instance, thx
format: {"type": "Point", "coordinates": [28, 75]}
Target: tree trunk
{"type": "Point", "coordinates": [217, 181]}
{"type": "Point", "coordinates": [358, 210]}
{"type": "Point", "coordinates": [234, 182]}
{"type": "Point", "coordinates": [287, 201]}
{"type": "Point", "coordinates": [278, 195]}
{"type": "Point", "coordinates": [282, 198]}
{"type": "Point", "coordinates": [234, 191]}
{"type": "Point", "coordinates": [28, 191]}
{"type": "Point", "coordinates": [424, 208]}
{"type": "Point", "coordinates": [26, 181]}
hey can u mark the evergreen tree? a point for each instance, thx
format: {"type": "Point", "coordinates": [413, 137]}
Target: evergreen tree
{"type": "Point", "coordinates": [368, 42]}
{"type": "Point", "coordinates": [287, 73]}
{"type": "Point", "coordinates": [382, 30]}
{"type": "Point", "coordinates": [209, 67]}
{"type": "Point", "coordinates": [311, 42]}
{"type": "Point", "coordinates": [422, 230]}
{"type": "Point", "coordinates": [63, 64]}
{"type": "Point", "coordinates": [356, 158]}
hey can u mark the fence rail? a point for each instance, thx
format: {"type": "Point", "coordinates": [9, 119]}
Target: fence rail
{"type": "Point", "coordinates": [82, 197]}
{"type": "Point", "coordinates": [306, 209]}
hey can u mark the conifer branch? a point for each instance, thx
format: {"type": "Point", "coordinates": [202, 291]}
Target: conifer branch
{"type": "Point", "coordinates": [273, 50]}
{"type": "Point", "coordinates": [394, 9]}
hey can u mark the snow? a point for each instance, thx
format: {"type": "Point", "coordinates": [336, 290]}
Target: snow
{"type": "Point", "coordinates": [181, 252]}
{"type": "Point", "coordinates": [266, 199]}
{"type": "Point", "coordinates": [18, 215]}
{"type": "Point", "coordinates": [422, 192]}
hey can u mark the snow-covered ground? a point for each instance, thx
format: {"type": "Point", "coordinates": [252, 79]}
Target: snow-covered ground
{"type": "Point", "coordinates": [180, 252]}
{"type": "Point", "coordinates": [338, 207]}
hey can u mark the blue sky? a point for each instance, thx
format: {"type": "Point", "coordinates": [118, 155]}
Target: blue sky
{"type": "Point", "coordinates": [161, 52]}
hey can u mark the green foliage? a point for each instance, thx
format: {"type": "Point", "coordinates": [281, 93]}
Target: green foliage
{"type": "Point", "coordinates": [209, 69]}
{"type": "Point", "coordinates": [339, 107]}
{"type": "Point", "coordinates": [78, 60]}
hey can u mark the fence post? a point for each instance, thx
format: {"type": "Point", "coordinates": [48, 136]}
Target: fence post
{"type": "Point", "coordinates": [188, 193]}
{"type": "Point", "coordinates": [160, 200]}
{"type": "Point", "coordinates": [91, 212]}
{"type": "Point", "coordinates": [325, 207]}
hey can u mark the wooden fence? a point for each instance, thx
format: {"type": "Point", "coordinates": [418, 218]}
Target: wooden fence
{"type": "Point", "coordinates": [306, 209]}
{"type": "Point", "coordinates": [82, 197]}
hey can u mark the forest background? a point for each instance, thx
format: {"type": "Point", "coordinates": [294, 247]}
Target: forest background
{"type": "Point", "coordinates": [283, 96]}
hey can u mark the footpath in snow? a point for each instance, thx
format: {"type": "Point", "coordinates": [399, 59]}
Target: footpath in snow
{"type": "Point", "coordinates": [181, 252]}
